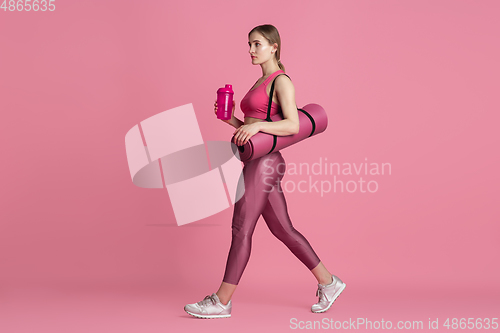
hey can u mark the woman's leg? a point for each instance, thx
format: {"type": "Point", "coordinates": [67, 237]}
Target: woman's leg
{"type": "Point", "coordinates": [322, 274]}
{"type": "Point", "coordinates": [247, 211]}
{"type": "Point", "coordinates": [225, 292]}
{"type": "Point", "coordinates": [275, 214]}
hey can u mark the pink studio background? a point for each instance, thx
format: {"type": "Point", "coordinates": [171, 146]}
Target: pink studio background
{"type": "Point", "coordinates": [410, 83]}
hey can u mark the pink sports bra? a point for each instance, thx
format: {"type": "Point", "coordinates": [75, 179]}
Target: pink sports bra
{"type": "Point", "coordinates": [256, 101]}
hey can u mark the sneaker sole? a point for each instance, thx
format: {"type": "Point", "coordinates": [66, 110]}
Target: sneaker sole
{"type": "Point", "coordinates": [337, 294]}
{"type": "Point", "coordinates": [207, 316]}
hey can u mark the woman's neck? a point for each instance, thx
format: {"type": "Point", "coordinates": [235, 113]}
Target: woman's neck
{"type": "Point", "coordinates": [269, 68]}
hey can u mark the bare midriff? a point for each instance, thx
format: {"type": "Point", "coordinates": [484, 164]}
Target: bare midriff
{"type": "Point", "coordinates": [251, 120]}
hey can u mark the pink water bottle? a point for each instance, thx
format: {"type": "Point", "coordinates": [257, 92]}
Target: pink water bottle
{"type": "Point", "coordinates": [225, 102]}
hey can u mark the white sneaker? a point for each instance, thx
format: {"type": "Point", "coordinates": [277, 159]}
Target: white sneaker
{"type": "Point", "coordinates": [209, 307]}
{"type": "Point", "coordinates": [327, 294]}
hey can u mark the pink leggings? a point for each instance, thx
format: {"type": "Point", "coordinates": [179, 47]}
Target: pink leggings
{"type": "Point", "coordinates": [263, 195]}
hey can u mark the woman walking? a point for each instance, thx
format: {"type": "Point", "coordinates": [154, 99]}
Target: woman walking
{"type": "Point", "coordinates": [260, 198]}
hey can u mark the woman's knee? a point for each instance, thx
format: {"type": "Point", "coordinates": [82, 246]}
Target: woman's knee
{"type": "Point", "coordinates": [242, 234]}
{"type": "Point", "coordinates": [283, 232]}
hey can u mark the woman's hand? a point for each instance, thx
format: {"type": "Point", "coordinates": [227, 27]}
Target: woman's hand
{"type": "Point", "coordinates": [245, 132]}
{"type": "Point", "coordinates": [232, 113]}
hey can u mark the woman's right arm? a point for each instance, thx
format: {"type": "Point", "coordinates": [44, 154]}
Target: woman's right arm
{"type": "Point", "coordinates": [235, 122]}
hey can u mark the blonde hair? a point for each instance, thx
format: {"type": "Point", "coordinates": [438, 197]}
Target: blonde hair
{"type": "Point", "coordinates": [272, 35]}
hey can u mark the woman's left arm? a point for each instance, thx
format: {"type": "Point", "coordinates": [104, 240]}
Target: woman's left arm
{"type": "Point", "coordinates": [285, 92]}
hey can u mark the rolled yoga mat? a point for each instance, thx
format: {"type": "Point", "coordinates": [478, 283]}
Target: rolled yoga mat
{"type": "Point", "coordinates": [312, 119]}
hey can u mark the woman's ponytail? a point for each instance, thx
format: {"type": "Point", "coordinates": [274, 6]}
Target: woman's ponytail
{"type": "Point", "coordinates": [281, 65]}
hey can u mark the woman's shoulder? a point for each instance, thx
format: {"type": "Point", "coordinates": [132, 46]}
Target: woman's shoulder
{"type": "Point", "coordinates": [283, 81]}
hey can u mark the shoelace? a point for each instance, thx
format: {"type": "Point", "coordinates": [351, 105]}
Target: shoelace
{"type": "Point", "coordinates": [321, 294]}
{"type": "Point", "coordinates": [207, 299]}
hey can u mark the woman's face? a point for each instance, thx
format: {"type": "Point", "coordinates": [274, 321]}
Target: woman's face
{"type": "Point", "coordinates": [260, 50]}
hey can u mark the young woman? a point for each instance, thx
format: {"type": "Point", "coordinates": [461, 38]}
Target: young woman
{"type": "Point", "coordinates": [265, 45]}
